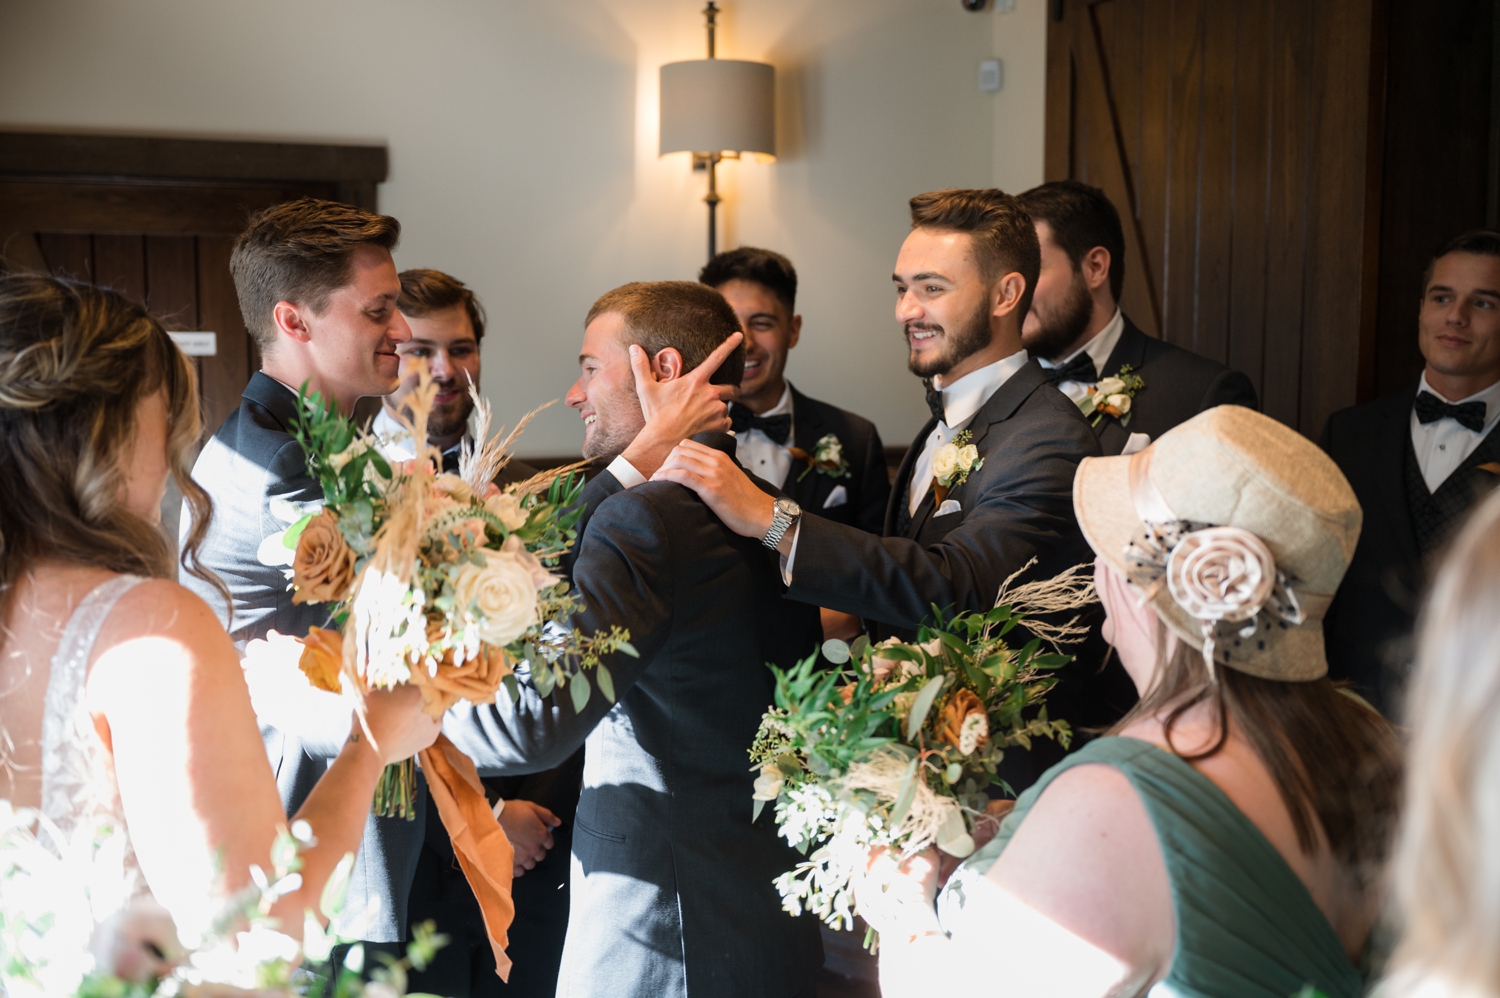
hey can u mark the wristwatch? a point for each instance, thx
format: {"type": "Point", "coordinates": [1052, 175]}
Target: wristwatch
{"type": "Point", "coordinates": [785, 513]}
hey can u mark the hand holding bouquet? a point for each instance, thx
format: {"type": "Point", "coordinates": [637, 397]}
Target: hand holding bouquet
{"type": "Point", "coordinates": [897, 751]}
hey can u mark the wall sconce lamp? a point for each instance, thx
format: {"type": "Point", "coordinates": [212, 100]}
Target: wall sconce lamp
{"type": "Point", "coordinates": [717, 109]}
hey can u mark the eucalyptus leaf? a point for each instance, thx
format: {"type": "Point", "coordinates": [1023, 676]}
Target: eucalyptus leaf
{"type": "Point", "coordinates": [907, 794]}
{"type": "Point", "coordinates": [579, 688]}
{"type": "Point", "coordinates": [294, 532]}
{"type": "Point", "coordinates": [760, 806]}
{"type": "Point", "coordinates": [921, 705]}
{"type": "Point", "coordinates": [606, 682]}
{"type": "Point", "coordinates": [860, 644]}
{"type": "Point", "coordinates": [836, 651]}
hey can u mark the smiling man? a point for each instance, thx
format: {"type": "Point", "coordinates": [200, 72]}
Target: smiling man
{"type": "Point", "coordinates": [826, 458]}
{"type": "Point", "coordinates": [959, 522]}
{"type": "Point", "coordinates": [1418, 461]}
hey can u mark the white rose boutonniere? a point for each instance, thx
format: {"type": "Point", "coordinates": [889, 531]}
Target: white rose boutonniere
{"type": "Point", "coordinates": [827, 458]}
{"type": "Point", "coordinates": [953, 463]}
{"type": "Point", "coordinates": [1112, 397]}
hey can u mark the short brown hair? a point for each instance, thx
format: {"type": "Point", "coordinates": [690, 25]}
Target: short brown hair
{"type": "Point", "coordinates": [300, 251]}
{"type": "Point", "coordinates": [1003, 233]}
{"type": "Point", "coordinates": [1080, 217]}
{"type": "Point", "coordinates": [689, 317]}
{"type": "Point", "coordinates": [424, 292]}
{"type": "Point", "coordinates": [1480, 242]}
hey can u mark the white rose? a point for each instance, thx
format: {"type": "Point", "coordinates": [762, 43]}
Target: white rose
{"type": "Point", "coordinates": [769, 783]}
{"type": "Point", "coordinates": [508, 509]}
{"type": "Point", "coordinates": [831, 450]}
{"type": "Point", "coordinates": [1109, 386]}
{"type": "Point", "coordinates": [1120, 403]}
{"type": "Point", "coordinates": [542, 578]}
{"type": "Point", "coordinates": [944, 462]}
{"type": "Point", "coordinates": [503, 592]}
{"type": "Point", "coordinates": [968, 457]}
{"type": "Point", "coordinates": [343, 457]}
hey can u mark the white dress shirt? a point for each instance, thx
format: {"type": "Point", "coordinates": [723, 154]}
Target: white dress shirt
{"type": "Point", "coordinates": [762, 455]}
{"type": "Point", "coordinates": [1099, 348]}
{"type": "Point", "coordinates": [961, 400]}
{"type": "Point", "coordinates": [395, 442]}
{"type": "Point", "coordinates": [1444, 444]}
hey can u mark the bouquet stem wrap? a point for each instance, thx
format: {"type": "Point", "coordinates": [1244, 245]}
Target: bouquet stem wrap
{"type": "Point", "coordinates": [484, 853]}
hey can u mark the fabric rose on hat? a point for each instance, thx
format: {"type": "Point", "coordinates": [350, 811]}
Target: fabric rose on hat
{"type": "Point", "coordinates": [1221, 573]}
{"type": "Point", "coordinates": [503, 592]}
{"type": "Point", "coordinates": [323, 566]}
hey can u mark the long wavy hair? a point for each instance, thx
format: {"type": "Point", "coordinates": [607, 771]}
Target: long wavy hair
{"type": "Point", "coordinates": [1446, 869]}
{"type": "Point", "coordinates": [76, 362]}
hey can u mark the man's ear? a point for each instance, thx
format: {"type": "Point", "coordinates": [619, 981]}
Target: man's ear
{"type": "Point", "coordinates": [1008, 294]}
{"type": "Point", "coordinates": [667, 364]}
{"type": "Point", "coordinates": [796, 332]}
{"type": "Point", "coordinates": [1095, 268]}
{"type": "Point", "coordinates": [289, 321]}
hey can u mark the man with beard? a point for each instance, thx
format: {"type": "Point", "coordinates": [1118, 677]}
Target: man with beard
{"type": "Point", "coordinates": [957, 525]}
{"type": "Point", "coordinates": [536, 811]}
{"type": "Point", "coordinates": [1076, 331]}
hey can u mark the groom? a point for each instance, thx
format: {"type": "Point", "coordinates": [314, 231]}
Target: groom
{"type": "Point", "coordinates": [672, 881]}
{"type": "Point", "coordinates": [318, 289]}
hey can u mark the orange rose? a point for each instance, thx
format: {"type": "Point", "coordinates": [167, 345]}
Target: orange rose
{"type": "Point", "coordinates": [476, 680]}
{"type": "Point", "coordinates": [323, 659]}
{"type": "Point", "coordinates": [323, 567]}
{"type": "Point", "coordinates": [951, 725]}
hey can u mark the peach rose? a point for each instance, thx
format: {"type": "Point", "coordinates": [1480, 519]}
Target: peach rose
{"type": "Point", "coordinates": [323, 567]}
{"type": "Point", "coordinates": [954, 726]}
{"type": "Point", "coordinates": [476, 679]}
{"type": "Point", "coordinates": [323, 659]}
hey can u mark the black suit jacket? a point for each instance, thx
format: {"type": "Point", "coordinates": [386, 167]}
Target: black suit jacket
{"type": "Point", "coordinates": [1179, 385]}
{"type": "Point", "coordinates": [868, 487]}
{"type": "Point", "coordinates": [1017, 506]}
{"type": "Point", "coordinates": [1367, 630]}
{"type": "Point", "coordinates": [672, 887]}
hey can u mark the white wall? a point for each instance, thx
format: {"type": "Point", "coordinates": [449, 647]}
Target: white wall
{"type": "Point", "coordinates": [522, 137]}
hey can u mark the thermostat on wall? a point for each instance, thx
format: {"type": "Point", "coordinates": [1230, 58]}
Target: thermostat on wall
{"type": "Point", "coordinates": [197, 344]}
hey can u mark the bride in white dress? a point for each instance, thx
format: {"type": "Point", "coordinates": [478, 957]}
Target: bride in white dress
{"type": "Point", "coordinates": [121, 697]}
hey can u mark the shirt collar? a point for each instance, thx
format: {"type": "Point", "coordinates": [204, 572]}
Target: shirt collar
{"type": "Point", "coordinates": [965, 397]}
{"type": "Point", "coordinates": [783, 405]}
{"type": "Point", "coordinates": [1489, 396]}
{"type": "Point", "coordinates": [1099, 348]}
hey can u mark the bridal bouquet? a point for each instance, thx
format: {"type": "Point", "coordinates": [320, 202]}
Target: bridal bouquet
{"type": "Point", "coordinates": [440, 580]}
{"type": "Point", "coordinates": [897, 750]}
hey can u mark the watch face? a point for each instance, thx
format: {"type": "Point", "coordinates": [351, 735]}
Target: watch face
{"type": "Point", "coordinates": [788, 507]}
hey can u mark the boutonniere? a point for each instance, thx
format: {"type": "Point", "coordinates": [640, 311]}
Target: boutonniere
{"type": "Point", "coordinates": [1112, 397]}
{"type": "Point", "coordinates": [952, 464]}
{"type": "Point", "coordinates": [827, 458]}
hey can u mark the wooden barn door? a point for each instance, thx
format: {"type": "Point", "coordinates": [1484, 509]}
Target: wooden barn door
{"type": "Point", "coordinates": [1240, 142]}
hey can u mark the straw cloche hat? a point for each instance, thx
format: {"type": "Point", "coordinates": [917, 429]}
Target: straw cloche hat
{"type": "Point", "coordinates": [1237, 530]}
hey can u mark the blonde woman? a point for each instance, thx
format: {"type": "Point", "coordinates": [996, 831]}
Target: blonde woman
{"type": "Point", "coordinates": [1447, 863]}
{"type": "Point", "coordinates": [124, 701]}
{"type": "Point", "coordinates": [1226, 841]}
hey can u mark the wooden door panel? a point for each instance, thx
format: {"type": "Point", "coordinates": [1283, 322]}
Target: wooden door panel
{"type": "Point", "coordinates": [225, 374]}
{"type": "Point", "coordinates": [68, 254]}
{"type": "Point", "coordinates": [120, 264]}
{"type": "Point", "coordinates": [172, 280]}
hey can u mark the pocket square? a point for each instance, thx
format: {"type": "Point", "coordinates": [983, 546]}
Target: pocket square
{"type": "Point", "coordinates": [1136, 442]}
{"type": "Point", "coordinates": [838, 497]}
{"type": "Point", "coordinates": [948, 506]}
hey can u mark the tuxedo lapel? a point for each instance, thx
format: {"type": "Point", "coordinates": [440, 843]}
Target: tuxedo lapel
{"type": "Point", "coordinates": [1389, 443]}
{"type": "Point", "coordinates": [1130, 349]}
{"type": "Point", "coordinates": [808, 427]}
{"type": "Point", "coordinates": [271, 395]}
{"type": "Point", "coordinates": [1006, 400]}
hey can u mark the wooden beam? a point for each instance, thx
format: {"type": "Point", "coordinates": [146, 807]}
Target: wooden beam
{"type": "Point", "coordinates": [34, 153]}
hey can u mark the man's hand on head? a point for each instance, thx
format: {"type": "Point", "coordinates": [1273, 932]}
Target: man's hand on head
{"type": "Point", "coordinates": [679, 408]}
{"type": "Point", "coordinates": [722, 484]}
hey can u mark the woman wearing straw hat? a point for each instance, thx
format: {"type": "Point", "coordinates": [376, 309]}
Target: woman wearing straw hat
{"type": "Point", "coordinates": [1227, 838]}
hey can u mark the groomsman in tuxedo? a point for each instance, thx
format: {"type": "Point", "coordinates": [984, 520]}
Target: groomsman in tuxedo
{"type": "Point", "coordinates": [1418, 461]}
{"type": "Point", "coordinates": [780, 432]}
{"type": "Point", "coordinates": [1076, 331]}
{"type": "Point", "coordinates": [318, 290]}
{"type": "Point", "coordinates": [536, 811]}
{"type": "Point", "coordinates": [953, 532]}
{"type": "Point", "coordinates": [672, 881]}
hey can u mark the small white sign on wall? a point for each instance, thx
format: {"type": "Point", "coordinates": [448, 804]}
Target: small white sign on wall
{"type": "Point", "coordinates": [197, 344]}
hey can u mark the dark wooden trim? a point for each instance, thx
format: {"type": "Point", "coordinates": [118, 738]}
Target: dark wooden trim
{"type": "Point", "coordinates": [36, 153]}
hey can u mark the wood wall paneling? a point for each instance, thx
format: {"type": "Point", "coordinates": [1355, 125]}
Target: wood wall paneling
{"type": "Point", "coordinates": [225, 374]}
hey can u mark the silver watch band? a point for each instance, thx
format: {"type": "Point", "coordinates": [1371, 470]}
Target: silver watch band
{"type": "Point", "coordinates": [781, 522]}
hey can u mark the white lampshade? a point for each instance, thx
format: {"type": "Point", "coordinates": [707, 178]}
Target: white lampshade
{"type": "Point", "coordinates": [718, 105]}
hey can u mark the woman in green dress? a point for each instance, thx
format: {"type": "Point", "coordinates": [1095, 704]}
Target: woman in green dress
{"type": "Point", "coordinates": [1226, 839]}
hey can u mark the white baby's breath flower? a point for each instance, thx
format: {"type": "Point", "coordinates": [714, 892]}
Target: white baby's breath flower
{"type": "Point", "coordinates": [975, 729]}
{"type": "Point", "coordinates": [508, 509]}
{"type": "Point", "coordinates": [1109, 386]}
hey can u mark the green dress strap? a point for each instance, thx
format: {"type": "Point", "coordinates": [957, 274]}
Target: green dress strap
{"type": "Point", "coordinates": [1246, 925]}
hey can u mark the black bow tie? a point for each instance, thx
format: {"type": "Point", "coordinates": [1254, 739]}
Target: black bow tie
{"type": "Point", "coordinates": [935, 402]}
{"type": "Point", "coordinates": [1081, 368]}
{"type": "Point", "coordinates": [778, 428]}
{"type": "Point", "coordinates": [1430, 409]}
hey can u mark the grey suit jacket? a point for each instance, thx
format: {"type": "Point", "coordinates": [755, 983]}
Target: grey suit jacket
{"type": "Point", "coordinates": [672, 892]}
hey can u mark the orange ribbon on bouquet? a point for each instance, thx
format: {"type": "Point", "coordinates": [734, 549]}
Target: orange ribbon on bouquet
{"type": "Point", "coordinates": [484, 853]}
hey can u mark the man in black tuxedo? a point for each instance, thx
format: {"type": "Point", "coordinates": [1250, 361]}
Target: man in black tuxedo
{"type": "Point", "coordinates": [672, 881]}
{"type": "Point", "coordinates": [778, 430]}
{"type": "Point", "coordinates": [1418, 461]}
{"type": "Point", "coordinates": [319, 289]}
{"type": "Point", "coordinates": [1076, 330]}
{"type": "Point", "coordinates": [963, 282]}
